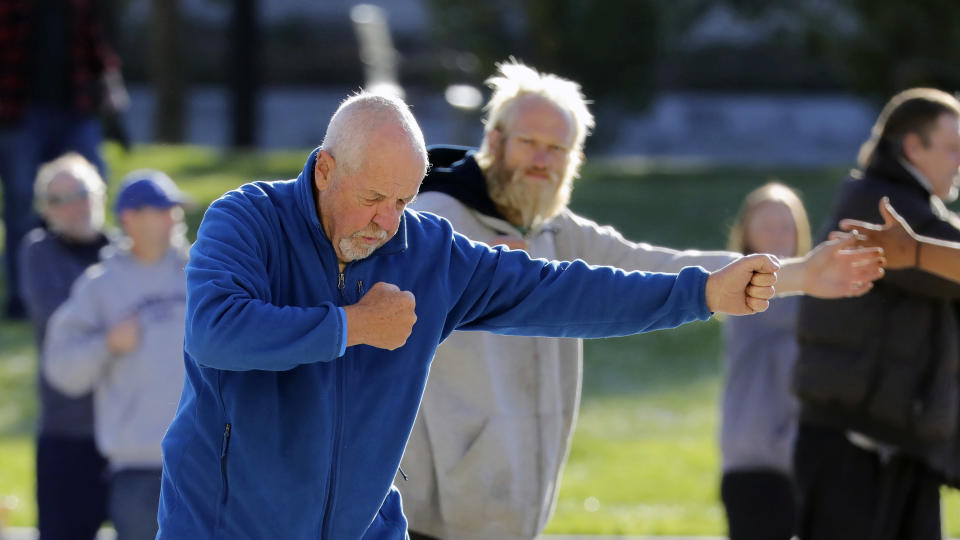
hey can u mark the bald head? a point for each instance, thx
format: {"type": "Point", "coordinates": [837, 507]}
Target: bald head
{"type": "Point", "coordinates": [364, 123]}
{"type": "Point", "coordinates": [368, 169]}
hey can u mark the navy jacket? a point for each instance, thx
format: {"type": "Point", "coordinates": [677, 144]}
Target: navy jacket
{"type": "Point", "coordinates": [278, 437]}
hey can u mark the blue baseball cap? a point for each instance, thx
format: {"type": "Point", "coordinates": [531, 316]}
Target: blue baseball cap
{"type": "Point", "coordinates": [148, 187]}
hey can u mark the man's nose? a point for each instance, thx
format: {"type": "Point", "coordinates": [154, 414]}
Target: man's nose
{"type": "Point", "coordinates": [388, 217]}
{"type": "Point", "coordinates": [540, 157]}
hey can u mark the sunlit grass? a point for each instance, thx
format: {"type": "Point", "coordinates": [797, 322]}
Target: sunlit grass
{"type": "Point", "coordinates": [17, 498]}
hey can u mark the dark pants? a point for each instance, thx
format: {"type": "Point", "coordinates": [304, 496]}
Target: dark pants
{"type": "Point", "coordinates": [760, 505]}
{"type": "Point", "coordinates": [44, 134]}
{"type": "Point", "coordinates": [71, 488]}
{"type": "Point", "coordinates": [848, 492]}
{"type": "Point", "coordinates": [134, 502]}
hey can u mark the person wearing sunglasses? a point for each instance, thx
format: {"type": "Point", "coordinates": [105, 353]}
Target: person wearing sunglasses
{"type": "Point", "coordinates": [71, 490]}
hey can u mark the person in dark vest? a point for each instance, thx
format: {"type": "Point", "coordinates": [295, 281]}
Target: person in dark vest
{"type": "Point", "coordinates": [877, 376]}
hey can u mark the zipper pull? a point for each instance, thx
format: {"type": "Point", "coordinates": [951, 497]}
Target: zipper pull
{"type": "Point", "coordinates": [340, 280]}
{"type": "Point", "coordinates": [401, 474]}
{"type": "Point", "coordinates": [360, 287]}
{"type": "Point", "coordinates": [226, 440]}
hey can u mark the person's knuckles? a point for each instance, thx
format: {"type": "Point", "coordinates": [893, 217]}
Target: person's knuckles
{"type": "Point", "coordinates": [757, 305]}
{"type": "Point", "coordinates": [763, 279]}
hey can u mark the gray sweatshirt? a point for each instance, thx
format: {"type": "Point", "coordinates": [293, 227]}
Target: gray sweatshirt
{"type": "Point", "coordinates": [135, 395]}
{"type": "Point", "coordinates": [760, 412]}
{"type": "Point", "coordinates": [498, 413]}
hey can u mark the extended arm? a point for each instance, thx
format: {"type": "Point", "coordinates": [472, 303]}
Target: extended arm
{"type": "Point", "coordinates": [924, 220]}
{"type": "Point", "coordinates": [832, 269]}
{"type": "Point", "coordinates": [508, 293]}
{"type": "Point", "coordinates": [903, 247]}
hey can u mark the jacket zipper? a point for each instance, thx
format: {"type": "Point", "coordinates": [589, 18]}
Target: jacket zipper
{"type": "Point", "coordinates": [224, 448]}
{"type": "Point", "coordinates": [335, 455]}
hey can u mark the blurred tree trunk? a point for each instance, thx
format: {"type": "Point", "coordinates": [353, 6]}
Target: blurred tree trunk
{"type": "Point", "coordinates": [244, 59]}
{"type": "Point", "coordinates": [167, 71]}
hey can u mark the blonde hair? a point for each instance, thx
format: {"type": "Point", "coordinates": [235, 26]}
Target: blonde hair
{"type": "Point", "coordinates": [770, 192]}
{"type": "Point", "coordinates": [76, 166]}
{"type": "Point", "coordinates": [514, 80]}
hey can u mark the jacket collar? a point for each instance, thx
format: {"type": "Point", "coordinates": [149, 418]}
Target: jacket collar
{"type": "Point", "coordinates": [306, 203]}
{"type": "Point", "coordinates": [455, 172]}
{"type": "Point", "coordinates": [885, 164]}
{"type": "Point", "coordinates": [917, 175]}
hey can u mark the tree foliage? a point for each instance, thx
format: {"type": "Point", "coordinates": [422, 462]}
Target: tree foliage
{"type": "Point", "coordinates": [625, 49]}
{"type": "Point", "coordinates": [610, 47]}
{"type": "Point", "coordinates": [900, 45]}
{"type": "Point", "coordinates": [878, 47]}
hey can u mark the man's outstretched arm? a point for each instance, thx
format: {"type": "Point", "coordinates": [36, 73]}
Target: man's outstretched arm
{"type": "Point", "coordinates": [832, 269]}
{"type": "Point", "coordinates": [903, 247]}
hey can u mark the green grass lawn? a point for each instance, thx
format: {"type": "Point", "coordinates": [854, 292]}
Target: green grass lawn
{"type": "Point", "coordinates": [644, 459]}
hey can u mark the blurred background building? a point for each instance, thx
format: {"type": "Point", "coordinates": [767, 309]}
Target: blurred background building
{"type": "Point", "coordinates": [730, 81]}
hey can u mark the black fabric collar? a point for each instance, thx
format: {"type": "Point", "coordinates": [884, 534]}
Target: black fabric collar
{"type": "Point", "coordinates": [884, 164]}
{"type": "Point", "coordinates": [455, 172]}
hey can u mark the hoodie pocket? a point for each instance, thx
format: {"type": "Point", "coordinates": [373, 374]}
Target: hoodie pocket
{"type": "Point", "coordinates": [224, 451]}
{"type": "Point", "coordinates": [482, 490]}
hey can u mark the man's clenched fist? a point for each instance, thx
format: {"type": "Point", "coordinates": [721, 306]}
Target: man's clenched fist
{"type": "Point", "coordinates": [383, 318]}
{"type": "Point", "coordinates": [744, 286]}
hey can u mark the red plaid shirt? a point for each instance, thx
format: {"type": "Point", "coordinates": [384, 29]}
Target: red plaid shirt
{"type": "Point", "coordinates": [89, 56]}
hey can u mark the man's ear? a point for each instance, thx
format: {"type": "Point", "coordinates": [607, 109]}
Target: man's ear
{"type": "Point", "coordinates": [494, 140]}
{"type": "Point", "coordinates": [911, 145]}
{"type": "Point", "coordinates": [323, 170]}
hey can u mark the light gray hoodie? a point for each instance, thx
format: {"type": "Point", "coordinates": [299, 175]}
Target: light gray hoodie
{"type": "Point", "coordinates": [135, 395]}
{"type": "Point", "coordinates": [760, 412]}
{"type": "Point", "coordinates": [497, 416]}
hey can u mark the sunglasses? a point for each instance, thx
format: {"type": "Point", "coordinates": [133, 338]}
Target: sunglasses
{"type": "Point", "coordinates": [54, 199]}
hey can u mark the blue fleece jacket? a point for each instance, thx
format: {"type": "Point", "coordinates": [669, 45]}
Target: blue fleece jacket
{"type": "Point", "coordinates": [278, 437]}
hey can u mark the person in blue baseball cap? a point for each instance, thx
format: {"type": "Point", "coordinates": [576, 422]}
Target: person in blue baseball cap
{"type": "Point", "coordinates": [149, 209]}
{"type": "Point", "coordinates": [148, 187]}
{"type": "Point", "coordinates": [123, 327]}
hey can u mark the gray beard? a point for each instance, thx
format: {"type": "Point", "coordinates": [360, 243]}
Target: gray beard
{"type": "Point", "coordinates": [351, 249]}
{"type": "Point", "coordinates": [511, 191]}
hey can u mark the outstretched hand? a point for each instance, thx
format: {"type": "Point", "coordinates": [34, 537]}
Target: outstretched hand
{"type": "Point", "coordinates": [895, 237]}
{"type": "Point", "coordinates": [744, 286]}
{"type": "Point", "coordinates": [383, 318]}
{"type": "Point", "coordinates": [837, 268]}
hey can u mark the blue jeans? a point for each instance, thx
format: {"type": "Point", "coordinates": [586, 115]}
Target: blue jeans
{"type": "Point", "coordinates": [134, 502]}
{"type": "Point", "coordinates": [45, 133]}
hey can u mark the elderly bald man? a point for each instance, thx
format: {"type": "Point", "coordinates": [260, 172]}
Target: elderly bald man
{"type": "Point", "coordinates": [314, 308]}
